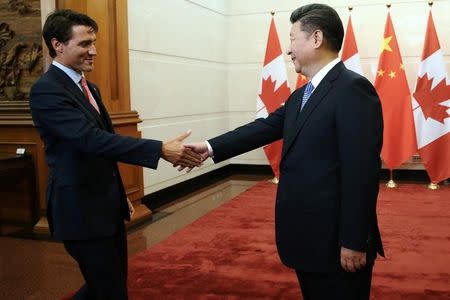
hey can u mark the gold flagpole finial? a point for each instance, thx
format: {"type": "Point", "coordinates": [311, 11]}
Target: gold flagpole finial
{"type": "Point", "coordinates": [391, 183]}
{"type": "Point", "coordinates": [430, 3]}
{"type": "Point", "coordinates": [274, 180]}
{"type": "Point", "coordinates": [388, 5]}
{"type": "Point", "coordinates": [350, 8]}
{"type": "Point", "coordinates": [272, 13]}
{"type": "Point", "coordinates": [433, 186]}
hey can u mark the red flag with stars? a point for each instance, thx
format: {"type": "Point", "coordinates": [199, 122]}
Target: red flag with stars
{"type": "Point", "coordinates": [274, 91]}
{"type": "Point", "coordinates": [431, 106]}
{"type": "Point", "coordinates": [301, 81]}
{"type": "Point", "coordinates": [399, 140]}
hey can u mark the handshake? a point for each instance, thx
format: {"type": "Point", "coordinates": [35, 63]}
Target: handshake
{"type": "Point", "coordinates": [184, 156]}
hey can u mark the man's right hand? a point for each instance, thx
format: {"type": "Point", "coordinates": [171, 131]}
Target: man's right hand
{"type": "Point", "coordinates": [176, 153]}
{"type": "Point", "coordinates": [199, 148]}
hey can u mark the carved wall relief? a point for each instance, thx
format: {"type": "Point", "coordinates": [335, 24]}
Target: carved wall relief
{"type": "Point", "coordinates": [20, 48]}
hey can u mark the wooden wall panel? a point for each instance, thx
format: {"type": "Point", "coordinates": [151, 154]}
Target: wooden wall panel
{"type": "Point", "coordinates": [111, 74]}
{"type": "Point", "coordinates": [111, 69]}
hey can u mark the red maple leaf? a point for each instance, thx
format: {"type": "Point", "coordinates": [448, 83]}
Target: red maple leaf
{"type": "Point", "coordinates": [430, 99]}
{"type": "Point", "coordinates": [272, 98]}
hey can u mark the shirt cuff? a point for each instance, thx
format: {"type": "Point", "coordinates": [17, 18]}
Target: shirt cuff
{"type": "Point", "coordinates": [210, 150]}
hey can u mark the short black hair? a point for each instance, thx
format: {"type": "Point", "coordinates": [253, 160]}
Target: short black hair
{"type": "Point", "coordinates": [323, 17]}
{"type": "Point", "coordinates": [59, 25]}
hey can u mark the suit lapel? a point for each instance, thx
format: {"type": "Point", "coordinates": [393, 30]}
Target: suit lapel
{"type": "Point", "coordinates": [298, 118]}
{"type": "Point", "coordinates": [77, 95]}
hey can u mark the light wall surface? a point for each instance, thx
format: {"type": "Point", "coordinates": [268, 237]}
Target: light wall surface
{"type": "Point", "coordinates": [196, 64]}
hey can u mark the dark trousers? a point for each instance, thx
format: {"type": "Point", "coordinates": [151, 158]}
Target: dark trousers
{"type": "Point", "coordinates": [340, 285]}
{"type": "Point", "coordinates": [103, 263]}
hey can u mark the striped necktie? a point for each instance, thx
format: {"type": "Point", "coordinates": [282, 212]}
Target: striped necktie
{"type": "Point", "coordinates": [88, 94]}
{"type": "Point", "coordinates": [308, 91]}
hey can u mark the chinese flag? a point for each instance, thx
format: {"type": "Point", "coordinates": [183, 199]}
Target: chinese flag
{"type": "Point", "coordinates": [350, 55]}
{"type": "Point", "coordinates": [273, 92]}
{"type": "Point", "coordinates": [301, 81]}
{"type": "Point", "coordinates": [431, 105]}
{"type": "Point", "coordinates": [399, 141]}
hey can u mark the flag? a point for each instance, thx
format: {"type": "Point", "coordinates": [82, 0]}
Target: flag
{"type": "Point", "coordinates": [431, 106]}
{"type": "Point", "coordinates": [350, 55]}
{"type": "Point", "coordinates": [399, 140]}
{"type": "Point", "coordinates": [301, 81]}
{"type": "Point", "coordinates": [274, 91]}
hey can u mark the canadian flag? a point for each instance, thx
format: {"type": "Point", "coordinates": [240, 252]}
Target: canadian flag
{"type": "Point", "coordinates": [399, 140]}
{"type": "Point", "coordinates": [350, 55]}
{"type": "Point", "coordinates": [273, 91]}
{"type": "Point", "coordinates": [431, 106]}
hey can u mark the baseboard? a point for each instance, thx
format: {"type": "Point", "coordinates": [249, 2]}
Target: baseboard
{"type": "Point", "coordinates": [167, 195]}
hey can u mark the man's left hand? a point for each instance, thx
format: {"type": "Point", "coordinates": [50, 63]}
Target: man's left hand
{"type": "Point", "coordinates": [351, 260]}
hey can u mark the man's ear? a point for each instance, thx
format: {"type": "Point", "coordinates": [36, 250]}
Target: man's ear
{"type": "Point", "coordinates": [318, 38]}
{"type": "Point", "coordinates": [57, 45]}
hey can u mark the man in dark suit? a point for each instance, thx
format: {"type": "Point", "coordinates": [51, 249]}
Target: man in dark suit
{"type": "Point", "coordinates": [86, 200]}
{"type": "Point", "coordinates": [326, 223]}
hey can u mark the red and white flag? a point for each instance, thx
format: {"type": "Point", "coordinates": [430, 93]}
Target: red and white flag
{"type": "Point", "coordinates": [350, 55]}
{"type": "Point", "coordinates": [399, 140]}
{"type": "Point", "coordinates": [273, 92]}
{"type": "Point", "coordinates": [431, 105]}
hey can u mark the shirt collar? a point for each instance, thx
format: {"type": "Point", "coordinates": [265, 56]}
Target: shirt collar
{"type": "Point", "coordinates": [74, 75]}
{"type": "Point", "coordinates": [323, 72]}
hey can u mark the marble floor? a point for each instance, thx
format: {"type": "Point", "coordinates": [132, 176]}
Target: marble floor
{"type": "Point", "coordinates": [41, 269]}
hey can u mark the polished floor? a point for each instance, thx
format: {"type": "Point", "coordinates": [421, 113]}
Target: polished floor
{"type": "Point", "coordinates": [37, 269]}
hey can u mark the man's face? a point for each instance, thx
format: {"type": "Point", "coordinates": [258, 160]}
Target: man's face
{"type": "Point", "coordinates": [78, 53]}
{"type": "Point", "coordinates": [301, 48]}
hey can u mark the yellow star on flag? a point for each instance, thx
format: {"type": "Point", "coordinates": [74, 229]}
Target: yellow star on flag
{"type": "Point", "coordinates": [392, 74]}
{"type": "Point", "coordinates": [303, 77]}
{"type": "Point", "coordinates": [385, 45]}
{"type": "Point", "coordinates": [380, 73]}
{"type": "Point", "coordinates": [402, 66]}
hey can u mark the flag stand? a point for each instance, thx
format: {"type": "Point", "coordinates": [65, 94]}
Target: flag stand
{"type": "Point", "coordinates": [433, 186]}
{"type": "Point", "coordinates": [274, 180]}
{"type": "Point", "coordinates": [391, 183]}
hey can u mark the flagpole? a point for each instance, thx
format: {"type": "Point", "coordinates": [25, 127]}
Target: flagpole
{"type": "Point", "coordinates": [391, 183]}
{"type": "Point", "coordinates": [274, 180]}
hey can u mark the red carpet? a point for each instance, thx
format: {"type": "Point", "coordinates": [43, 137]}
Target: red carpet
{"type": "Point", "coordinates": [415, 226]}
{"type": "Point", "coordinates": [227, 254]}
{"type": "Point", "coordinates": [230, 253]}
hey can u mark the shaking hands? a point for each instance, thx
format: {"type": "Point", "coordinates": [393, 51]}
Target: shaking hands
{"type": "Point", "coordinates": [175, 152]}
{"type": "Point", "coordinates": [199, 148]}
{"type": "Point", "coordinates": [184, 156]}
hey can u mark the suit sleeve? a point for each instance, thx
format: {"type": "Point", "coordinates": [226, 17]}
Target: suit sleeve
{"type": "Point", "coordinates": [55, 114]}
{"type": "Point", "coordinates": [360, 130]}
{"type": "Point", "coordinates": [253, 135]}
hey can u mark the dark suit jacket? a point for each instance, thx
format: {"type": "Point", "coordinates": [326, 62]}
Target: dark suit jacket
{"type": "Point", "coordinates": [85, 195]}
{"type": "Point", "coordinates": [330, 166]}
